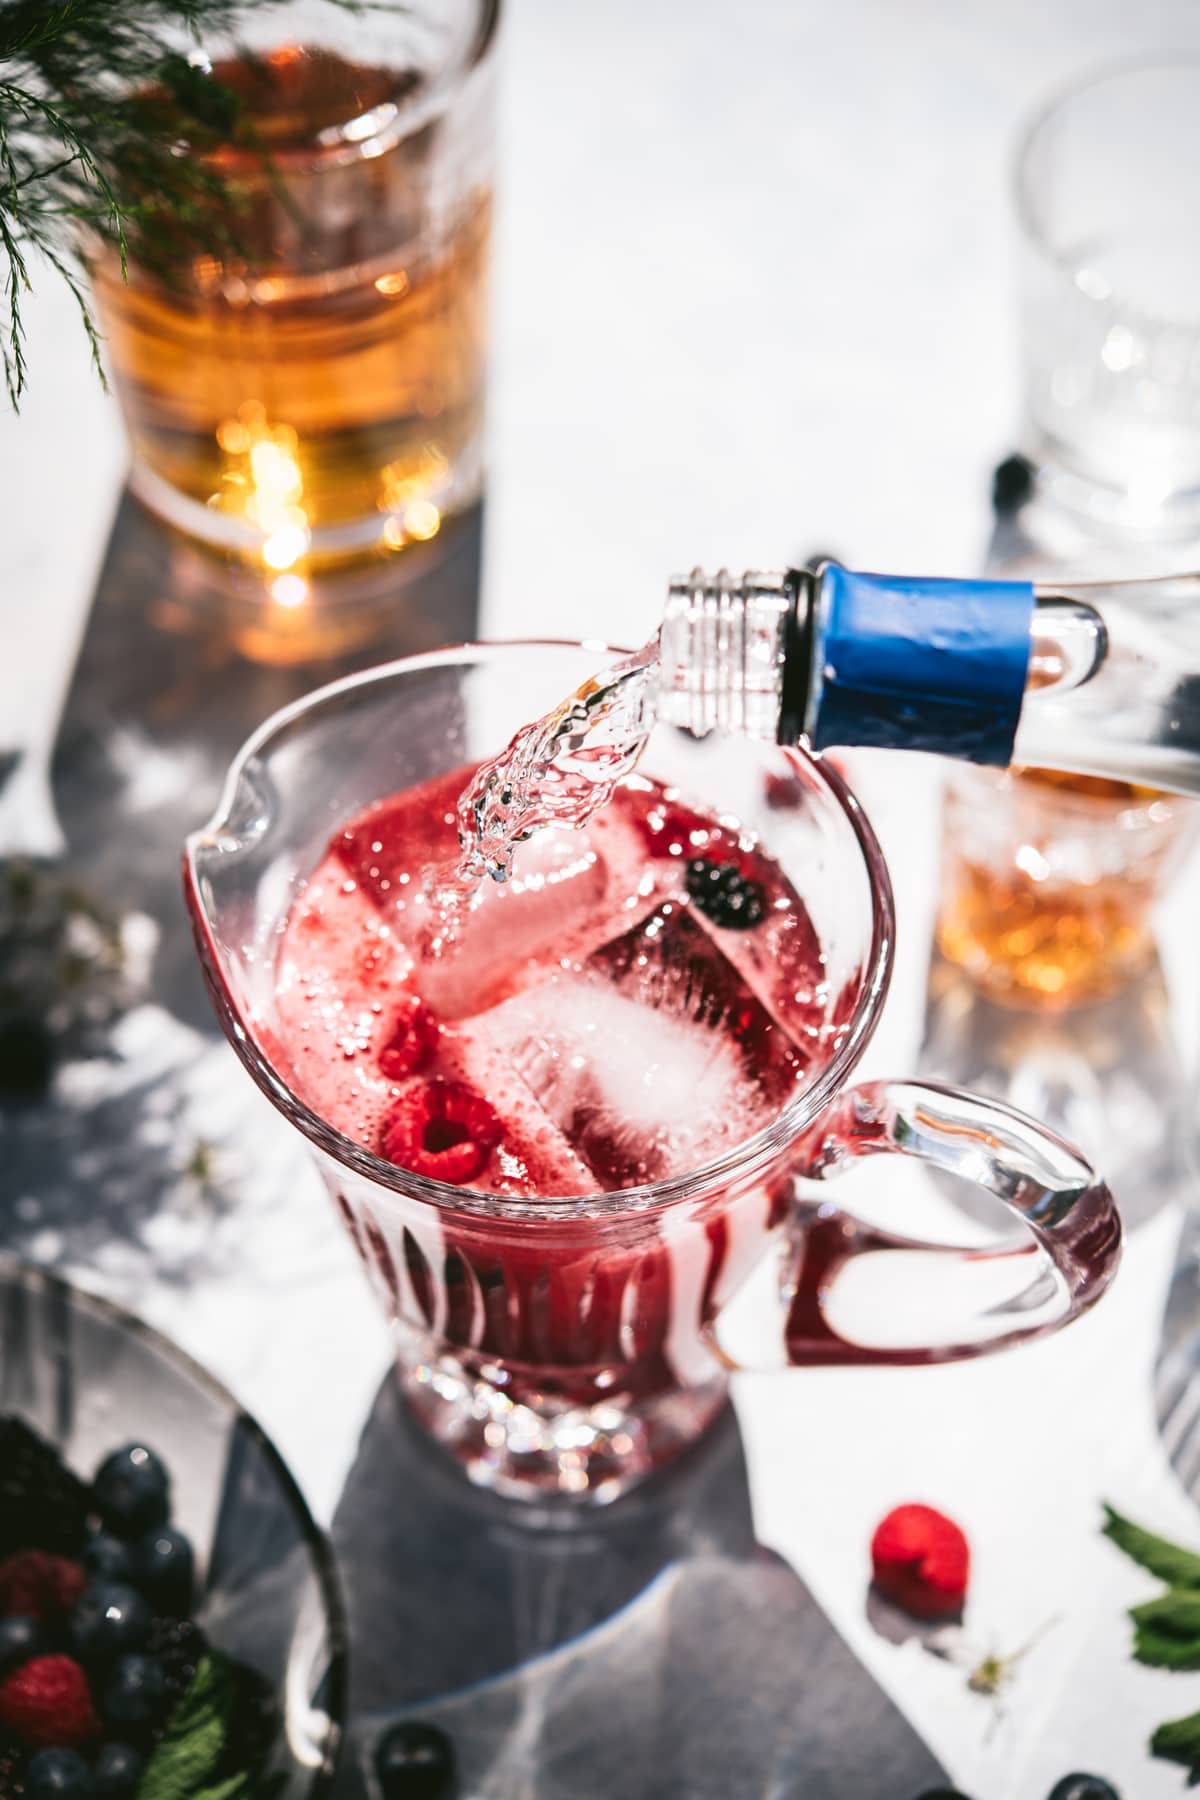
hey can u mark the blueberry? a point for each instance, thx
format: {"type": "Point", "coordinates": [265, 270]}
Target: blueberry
{"type": "Point", "coordinates": [164, 1570]}
{"type": "Point", "coordinates": [1083, 1787]}
{"type": "Point", "coordinates": [107, 1558]}
{"type": "Point", "coordinates": [415, 1762]}
{"type": "Point", "coordinates": [1012, 484]}
{"type": "Point", "coordinates": [117, 1771]}
{"type": "Point", "coordinates": [724, 895]}
{"type": "Point", "coordinates": [20, 1639]}
{"type": "Point", "coordinates": [110, 1618]}
{"type": "Point", "coordinates": [132, 1490]}
{"type": "Point", "coordinates": [58, 1772]}
{"type": "Point", "coordinates": [134, 1691]}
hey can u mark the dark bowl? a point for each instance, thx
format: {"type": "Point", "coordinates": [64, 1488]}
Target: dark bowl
{"type": "Point", "coordinates": [90, 1377]}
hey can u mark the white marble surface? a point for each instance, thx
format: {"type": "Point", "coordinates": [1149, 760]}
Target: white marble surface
{"type": "Point", "coordinates": [752, 298]}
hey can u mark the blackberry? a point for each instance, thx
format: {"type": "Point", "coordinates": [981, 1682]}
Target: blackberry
{"type": "Point", "coordinates": [724, 895]}
{"type": "Point", "coordinates": [178, 1646]}
{"type": "Point", "coordinates": [12, 1768]}
{"type": "Point", "coordinates": [42, 1505]}
{"type": "Point", "coordinates": [253, 1723]}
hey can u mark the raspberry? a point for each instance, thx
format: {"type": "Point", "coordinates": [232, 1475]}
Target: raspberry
{"type": "Point", "coordinates": [783, 790]}
{"type": "Point", "coordinates": [671, 829]}
{"type": "Point", "coordinates": [42, 1505]}
{"type": "Point", "coordinates": [410, 1046]}
{"type": "Point", "coordinates": [441, 1128]}
{"type": "Point", "coordinates": [921, 1560]}
{"type": "Point", "coordinates": [48, 1702]}
{"type": "Point", "coordinates": [39, 1585]}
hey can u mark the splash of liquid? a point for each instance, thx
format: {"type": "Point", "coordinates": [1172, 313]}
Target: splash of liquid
{"type": "Point", "coordinates": [561, 768]}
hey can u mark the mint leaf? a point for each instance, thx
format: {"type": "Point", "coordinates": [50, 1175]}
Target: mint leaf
{"type": "Point", "coordinates": [1159, 1650]}
{"type": "Point", "coordinates": [1179, 1741]}
{"type": "Point", "coordinates": [235, 1787]}
{"type": "Point", "coordinates": [1171, 1563]}
{"type": "Point", "coordinates": [1177, 1613]}
{"type": "Point", "coordinates": [190, 1751]}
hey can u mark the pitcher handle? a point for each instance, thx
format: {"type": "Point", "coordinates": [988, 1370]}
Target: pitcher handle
{"type": "Point", "coordinates": [1067, 1258]}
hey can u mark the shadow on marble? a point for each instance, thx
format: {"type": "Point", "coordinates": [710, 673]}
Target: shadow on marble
{"type": "Point", "coordinates": [651, 1649]}
{"type": "Point", "coordinates": [150, 1153]}
{"type": "Point", "coordinates": [1107, 1076]}
{"type": "Point", "coordinates": [163, 695]}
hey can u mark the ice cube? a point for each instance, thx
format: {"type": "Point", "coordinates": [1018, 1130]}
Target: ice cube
{"type": "Point", "coordinates": [653, 1057]}
{"type": "Point", "coordinates": [390, 848]}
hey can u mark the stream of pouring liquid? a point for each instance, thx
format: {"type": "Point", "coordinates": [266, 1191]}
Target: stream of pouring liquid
{"type": "Point", "coordinates": [560, 769]}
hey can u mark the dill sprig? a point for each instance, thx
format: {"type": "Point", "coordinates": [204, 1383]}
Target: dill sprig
{"type": "Point", "coordinates": [105, 125]}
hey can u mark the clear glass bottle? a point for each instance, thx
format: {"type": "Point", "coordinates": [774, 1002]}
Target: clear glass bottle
{"type": "Point", "coordinates": [1090, 678]}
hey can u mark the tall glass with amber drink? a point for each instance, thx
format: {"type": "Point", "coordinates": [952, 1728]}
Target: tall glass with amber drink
{"type": "Point", "coordinates": [300, 355]}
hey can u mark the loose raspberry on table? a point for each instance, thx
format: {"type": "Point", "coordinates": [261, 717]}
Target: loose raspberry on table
{"type": "Point", "coordinates": [441, 1128]}
{"type": "Point", "coordinates": [921, 1562]}
{"type": "Point", "coordinates": [39, 1585]}
{"type": "Point", "coordinates": [48, 1701]}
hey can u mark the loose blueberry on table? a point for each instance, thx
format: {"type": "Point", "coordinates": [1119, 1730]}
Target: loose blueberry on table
{"type": "Point", "coordinates": [1083, 1787]}
{"type": "Point", "coordinates": [109, 1690]}
{"type": "Point", "coordinates": [415, 1761]}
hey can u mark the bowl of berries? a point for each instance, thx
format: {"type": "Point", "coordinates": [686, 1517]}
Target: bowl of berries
{"type": "Point", "coordinates": [170, 1622]}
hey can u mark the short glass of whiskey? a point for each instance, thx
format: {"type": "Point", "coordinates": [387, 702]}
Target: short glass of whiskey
{"type": "Point", "coordinates": [1049, 881]}
{"type": "Point", "coordinates": [301, 368]}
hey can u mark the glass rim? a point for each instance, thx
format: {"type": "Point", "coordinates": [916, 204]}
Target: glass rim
{"type": "Point", "coordinates": [1146, 806]}
{"type": "Point", "coordinates": [430, 99]}
{"type": "Point", "coordinates": [1055, 105]}
{"type": "Point", "coordinates": [743, 1160]}
{"type": "Point", "coordinates": [316, 1541]}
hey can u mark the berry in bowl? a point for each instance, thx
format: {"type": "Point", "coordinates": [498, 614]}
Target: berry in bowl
{"type": "Point", "coordinates": [170, 1625]}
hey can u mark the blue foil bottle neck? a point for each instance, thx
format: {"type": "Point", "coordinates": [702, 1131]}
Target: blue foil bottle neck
{"type": "Point", "coordinates": [913, 663]}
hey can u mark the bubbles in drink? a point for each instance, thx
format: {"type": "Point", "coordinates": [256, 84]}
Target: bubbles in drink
{"type": "Point", "coordinates": [614, 1012]}
{"type": "Point", "coordinates": [560, 769]}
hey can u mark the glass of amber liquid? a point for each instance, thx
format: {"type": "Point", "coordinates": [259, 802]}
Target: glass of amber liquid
{"type": "Point", "coordinates": [1049, 881]}
{"type": "Point", "coordinates": [302, 384]}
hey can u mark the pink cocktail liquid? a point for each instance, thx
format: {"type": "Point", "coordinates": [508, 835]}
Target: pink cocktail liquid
{"type": "Point", "coordinates": [639, 998]}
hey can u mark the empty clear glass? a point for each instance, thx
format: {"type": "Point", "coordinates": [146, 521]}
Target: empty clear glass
{"type": "Point", "coordinates": [1105, 191]}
